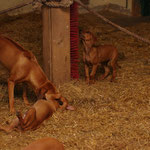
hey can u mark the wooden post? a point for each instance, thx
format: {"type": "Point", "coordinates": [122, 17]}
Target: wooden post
{"type": "Point", "coordinates": [136, 8]}
{"type": "Point", "coordinates": [56, 44]}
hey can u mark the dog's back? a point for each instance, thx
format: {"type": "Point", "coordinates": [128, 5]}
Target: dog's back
{"type": "Point", "coordinates": [39, 112]}
{"type": "Point", "coordinates": [106, 52]}
{"type": "Point", "coordinates": [45, 144]}
{"type": "Point", "coordinates": [44, 109]}
{"type": "Point", "coordinates": [11, 52]}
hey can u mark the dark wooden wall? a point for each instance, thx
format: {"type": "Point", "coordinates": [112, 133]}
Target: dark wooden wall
{"type": "Point", "coordinates": [141, 7]}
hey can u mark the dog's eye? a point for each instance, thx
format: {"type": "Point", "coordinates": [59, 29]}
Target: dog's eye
{"type": "Point", "coordinates": [59, 101]}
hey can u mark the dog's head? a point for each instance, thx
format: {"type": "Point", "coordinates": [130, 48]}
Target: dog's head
{"type": "Point", "coordinates": [47, 87]}
{"type": "Point", "coordinates": [88, 38]}
{"type": "Point", "coordinates": [59, 100]}
{"type": "Point", "coordinates": [49, 92]}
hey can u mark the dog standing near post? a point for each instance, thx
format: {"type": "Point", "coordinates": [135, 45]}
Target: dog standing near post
{"type": "Point", "coordinates": [94, 55]}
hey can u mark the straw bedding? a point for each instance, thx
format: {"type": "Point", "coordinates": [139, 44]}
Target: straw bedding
{"type": "Point", "coordinates": [108, 116]}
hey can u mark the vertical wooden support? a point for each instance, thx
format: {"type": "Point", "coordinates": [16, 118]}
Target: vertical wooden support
{"type": "Point", "coordinates": [56, 44]}
{"type": "Point", "coordinates": [136, 8]}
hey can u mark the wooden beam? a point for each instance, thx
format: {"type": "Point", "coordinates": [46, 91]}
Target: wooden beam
{"type": "Point", "coordinates": [136, 8]}
{"type": "Point", "coordinates": [56, 44]}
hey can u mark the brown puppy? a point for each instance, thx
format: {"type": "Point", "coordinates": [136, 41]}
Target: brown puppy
{"type": "Point", "coordinates": [45, 144]}
{"type": "Point", "coordinates": [39, 112]}
{"type": "Point", "coordinates": [23, 67]}
{"type": "Point", "coordinates": [93, 55]}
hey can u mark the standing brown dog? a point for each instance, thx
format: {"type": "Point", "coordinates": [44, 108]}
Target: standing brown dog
{"type": "Point", "coordinates": [93, 55]}
{"type": "Point", "coordinates": [23, 67]}
{"type": "Point", "coordinates": [39, 112]}
{"type": "Point", "coordinates": [45, 144]}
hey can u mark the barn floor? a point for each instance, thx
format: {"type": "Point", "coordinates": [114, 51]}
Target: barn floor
{"type": "Point", "coordinates": [108, 116]}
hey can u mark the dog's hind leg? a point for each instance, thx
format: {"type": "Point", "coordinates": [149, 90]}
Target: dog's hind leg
{"type": "Point", "coordinates": [113, 65]}
{"type": "Point", "coordinates": [28, 120]}
{"type": "Point", "coordinates": [107, 71]}
{"type": "Point", "coordinates": [87, 77]}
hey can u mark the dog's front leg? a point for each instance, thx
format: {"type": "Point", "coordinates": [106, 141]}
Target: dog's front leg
{"type": "Point", "coordinates": [93, 72]}
{"type": "Point", "coordinates": [25, 95]}
{"type": "Point", "coordinates": [11, 86]}
{"type": "Point", "coordinates": [87, 77]}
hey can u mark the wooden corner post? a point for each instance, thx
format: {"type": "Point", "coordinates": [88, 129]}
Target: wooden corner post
{"type": "Point", "coordinates": [136, 8]}
{"type": "Point", "coordinates": [56, 43]}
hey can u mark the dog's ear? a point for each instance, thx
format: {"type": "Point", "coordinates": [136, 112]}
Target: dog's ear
{"type": "Point", "coordinates": [57, 96]}
{"type": "Point", "coordinates": [50, 96]}
{"type": "Point", "coordinates": [29, 55]}
{"type": "Point", "coordinates": [81, 35]}
{"type": "Point", "coordinates": [41, 93]}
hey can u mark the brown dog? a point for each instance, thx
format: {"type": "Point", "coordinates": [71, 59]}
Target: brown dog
{"type": "Point", "coordinates": [93, 55]}
{"type": "Point", "coordinates": [39, 112]}
{"type": "Point", "coordinates": [45, 144]}
{"type": "Point", "coordinates": [23, 67]}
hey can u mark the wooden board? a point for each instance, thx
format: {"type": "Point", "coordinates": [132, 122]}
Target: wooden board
{"type": "Point", "coordinates": [136, 8]}
{"type": "Point", "coordinates": [56, 44]}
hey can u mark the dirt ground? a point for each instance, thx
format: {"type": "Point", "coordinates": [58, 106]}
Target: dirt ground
{"type": "Point", "coordinates": [108, 116]}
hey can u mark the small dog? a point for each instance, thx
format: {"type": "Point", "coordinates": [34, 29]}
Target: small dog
{"type": "Point", "coordinates": [23, 67]}
{"type": "Point", "coordinates": [93, 55]}
{"type": "Point", "coordinates": [45, 144]}
{"type": "Point", "coordinates": [40, 111]}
